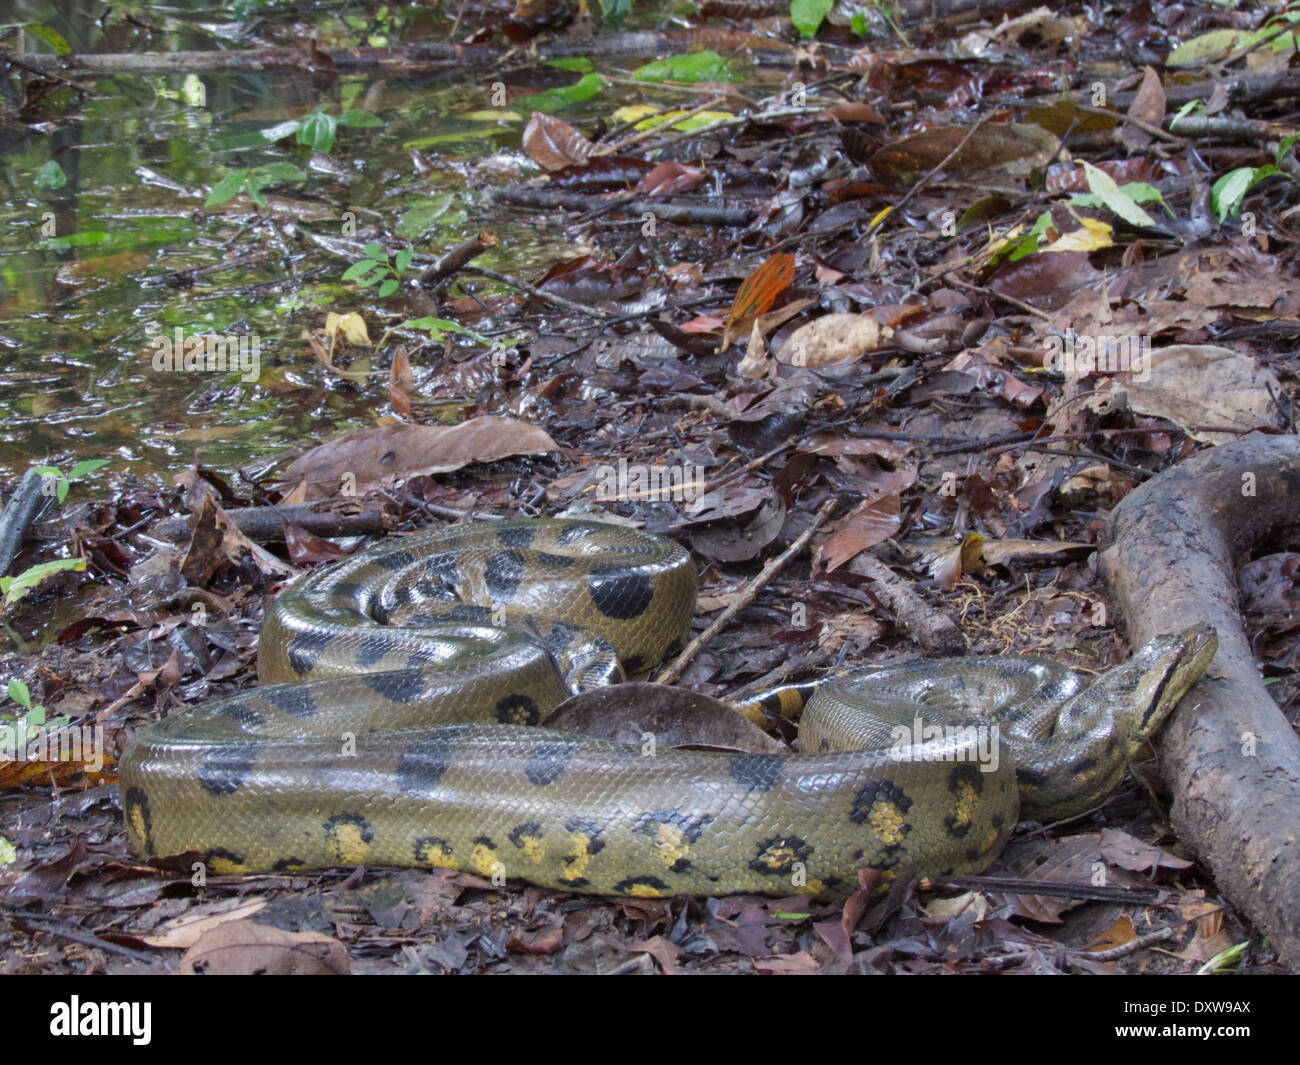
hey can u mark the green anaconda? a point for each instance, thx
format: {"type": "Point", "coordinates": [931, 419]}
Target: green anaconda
{"type": "Point", "coordinates": [395, 725]}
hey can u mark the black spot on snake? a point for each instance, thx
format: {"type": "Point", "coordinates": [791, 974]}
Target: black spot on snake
{"type": "Point", "coordinates": [373, 647]}
{"type": "Point", "coordinates": [758, 772]}
{"type": "Point", "coordinates": [288, 865]}
{"type": "Point", "coordinates": [772, 704]}
{"type": "Point", "coordinates": [1083, 765]}
{"type": "Point", "coordinates": [575, 533]}
{"type": "Point", "coordinates": [429, 850]}
{"type": "Point", "coordinates": [356, 821]}
{"type": "Point", "coordinates": [691, 828]}
{"type": "Point", "coordinates": [965, 775]}
{"type": "Point", "coordinates": [305, 650]}
{"type": "Point", "coordinates": [485, 841]}
{"type": "Point", "coordinates": [243, 715]}
{"type": "Point", "coordinates": [422, 764]}
{"type": "Point", "coordinates": [393, 561]}
{"type": "Point", "coordinates": [501, 574]}
{"type": "Point", "coordinates": [291, 698]}
{"type": "Point", "coordinates": [879, 791]}
{"type": "Point", "coordinates": [470, 612]}
{"type": "Point", "coordinates": [225, 766]}
{"type": "Point", "coordinates": [395, 685]}
{"type": "Point", "coordinates": [590, 829]}
{"type": "Point", "coordinates": [531, 830]}
{"type": "Point", "coordinates": [629, 886]}
{"type": "Point", "coordinates": [622, 596]}
{"type": "Point", "coordinates": [674, 648]}
{"type": "Point", "coordinates": [517, 710]}
{"type": "Point", "coordinates": [430, 587]}
{"type": "Point", "coordinates": [776, 856]}
{"type": "Point", "coordinates": [634, 663]}
{"type": "Point", "coordinates": [220, 854]}
{"type": "Point", "coordinates": [1031, 777]}
{"type": "Point", "coordinates": [346, 590]}
{"type": "Point", "coordinates": [136, 805]}
{"type": "Point", "coordinates": [546, 558]}
{"type": "Point", "coordinates": [548, 762]}
{"type": "Point", "coordinates": [518, 536]}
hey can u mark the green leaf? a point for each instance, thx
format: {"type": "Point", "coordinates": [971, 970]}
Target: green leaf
{"type": "Point", "coordinates": [36, 715]}
{"type": "Point", "coordinates": [317, 131]}
{"type": "Point", "coordinates": [278, 173]}
{"type": "Point", "coordinates": [226, 189]}
{"type": "Point", "coordinates": [274, 133]}
{"type": "Point", "coordinates": [789, 916]}
{"type": "Point", "coordinates": [573, 64]}
{"type": "Point", "coordinates": [690, 68]}
{"type": "Point", "coordinates": [807, 15]}
{"type": "Point", "coordinates": [1187, 108]}
{"type": "Point", "coordinates": [553, 99]}
{"type": "Point", "coordinates": [388, 288]}
{"type": "Point", "coordinates": [375, 251]}
{"type": "Point", "coordinates": [49, 177]}
{"type": "Point", "coordinates": [49, 36]}
{"type": "Point", "coordinates": [19, 586]}
{"type": "Point", "coordinates": [355, 119]}
{"type": "Point", "coordinates": [19, 693]}
{"type": "Point", "coordinates": [354, 271]}
{"type": "Point", "coordinates": [8, 854]}
{"type": "Point", "coordinates": [82, 468]}
{"type": "Point", "coordinates": [858, 23]}
{"type": "Point", "coordinates": [61, 490]}
{"type": "Point", "coordinates": [1227, 194]}
{"type": "Point", "coordinates": [1103, 186]}
{"type": "Point", "coordinates": [438, 326]}
{"type": "Point", "coordinates": [1208, 46]}
{"type": "Point", "coordinates": [1137, 191]}
{"type": "Point", "coordinates": [373, 279]}
{"type": "Point", "coordinates": [1285, 146]}
{"type": "Point", "coordinates": [402, 260]}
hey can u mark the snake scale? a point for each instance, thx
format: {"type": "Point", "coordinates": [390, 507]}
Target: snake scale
{"type": "Point", "coordinates": [396, 723]}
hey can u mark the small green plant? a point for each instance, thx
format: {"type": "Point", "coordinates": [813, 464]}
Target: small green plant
{"type": "Point", "coordinates": [376, 268]}
{"type": "Point", "coordinates": [34, 715]}
{"type": "Point", "coordinates": [317, 129]}
{"type": "Point", "coordinates": [1229, 192]}
{"type": "Point", "coordinates": [14, 588]}
{"type": "Point", "coordinates": [252, 181]}
{"type": "Point", "coordinates": [59, 482]}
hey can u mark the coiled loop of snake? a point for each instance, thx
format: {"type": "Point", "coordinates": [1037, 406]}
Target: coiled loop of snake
{"type": "Point", "coordinates": [399, 687]}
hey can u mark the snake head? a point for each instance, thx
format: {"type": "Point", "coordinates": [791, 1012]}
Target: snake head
{"type": "Point", "coordinates": [1162, 671]}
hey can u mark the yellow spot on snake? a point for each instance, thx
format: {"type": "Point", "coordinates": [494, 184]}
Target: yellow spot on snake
{"type": "Point", "coordinates": [348, 846]}
{"type": "Point", "coordinates": [484, 859]}
{"type": "Point", "coordinates": [225, 867]}
{"type": "Point", "coordinates": [645, 891]}
{"type": "Point", "coordinates": [967, 804]}
{"type": "Point", "coordinates": [534, 849]}
{"type": "Point", "coordinates": [135, 814]}
{"type": "Point", "coordinates": [886, 820]}
{"type": "Point", "coordinates": [671, 844]}
{"type": "Point", "coordinates": [578, 858]}
{"type": "Point", "coordinates": [778, 857]}
{"type": "Point", "coordinates": [438, 856]}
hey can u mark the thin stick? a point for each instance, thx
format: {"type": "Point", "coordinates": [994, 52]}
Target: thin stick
{"type": "Point", "coordinates": [670, 673]}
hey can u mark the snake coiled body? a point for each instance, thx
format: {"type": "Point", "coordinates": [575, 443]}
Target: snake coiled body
{"type": "Point", "coordinates": [395, 725]}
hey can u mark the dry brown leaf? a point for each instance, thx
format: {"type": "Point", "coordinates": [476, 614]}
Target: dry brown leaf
{"type": "Point", "coordinates": [554, 144]}
{"type": "Point", "coordinates": [373, 457]}
{"type": "Point", "coordinates": [242, 948]}
{"type": "Point", "coordinates": [1200, 384]}
{"type": "Point", "coordinates": [832, 338]}
{"type": "Point", "coordinates": [185, 931]}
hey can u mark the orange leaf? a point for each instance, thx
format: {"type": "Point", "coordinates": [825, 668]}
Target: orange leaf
{"type": "Point", "coordinates": [758, 292]}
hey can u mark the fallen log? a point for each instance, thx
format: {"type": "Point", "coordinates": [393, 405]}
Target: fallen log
{"type": "Point", "coordinates": [1229, 756]}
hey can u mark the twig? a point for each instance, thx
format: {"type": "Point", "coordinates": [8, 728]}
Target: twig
{"type": "Point", "coordinates": [670, 673]}
{"type": "Point", "coordinates": [533, 290]}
